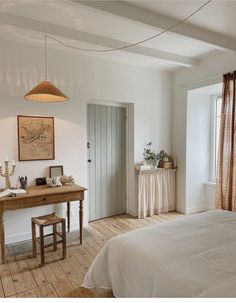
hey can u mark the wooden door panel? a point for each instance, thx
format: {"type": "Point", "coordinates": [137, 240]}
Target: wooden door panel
{"type": "Point", "coordinates": [107, 169]}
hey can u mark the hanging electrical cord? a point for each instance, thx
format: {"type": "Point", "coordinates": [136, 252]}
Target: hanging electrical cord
{"type": "Point", "coordinates": [132, 44]}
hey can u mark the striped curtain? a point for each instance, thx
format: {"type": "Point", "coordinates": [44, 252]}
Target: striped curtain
{"type": "Point", "coordinates": [226, 166]}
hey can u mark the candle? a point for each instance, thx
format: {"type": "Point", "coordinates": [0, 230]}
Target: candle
{"type": "Point", "coordinates": [13, 162]}
{"type": "Point", "coordinates": [6, 158]}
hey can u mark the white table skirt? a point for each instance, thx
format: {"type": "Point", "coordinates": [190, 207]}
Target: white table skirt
{"type": "Point", "coordinates": [156, 192]}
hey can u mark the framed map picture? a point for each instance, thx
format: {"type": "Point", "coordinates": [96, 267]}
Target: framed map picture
{"type": "Point", "coordinates": [35, 138]}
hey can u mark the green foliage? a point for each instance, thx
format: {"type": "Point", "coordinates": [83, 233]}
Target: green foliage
{"type": "Point", "coordinates": [148, 153]}
{"type": "Point", "coordinates": [163, 156]}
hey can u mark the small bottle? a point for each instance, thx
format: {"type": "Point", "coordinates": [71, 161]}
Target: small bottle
{"type": "Point", "coordinates": [174, 163]}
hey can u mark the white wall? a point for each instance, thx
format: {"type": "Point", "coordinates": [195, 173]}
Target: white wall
{"type": "Point", "coordinates": [82, 78]}
{"type": "Point", "coordinates": [210, 194]}
{"type": "Point", "coordinates": [209, 72]}
{"type": "Point", "coordinates": [198, 149]}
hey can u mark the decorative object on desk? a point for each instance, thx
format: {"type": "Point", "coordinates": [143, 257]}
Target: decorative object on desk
{"type": "Point", "coordinates": [41, 181]}
{"type": "Point", "coordinates": [150, 155]}
{"type": "Point", "coordinates": [165, 160]}
{"type": "Point", "coordinates": [56, 171]}
{"type": "Point", "coordinates": [35, 138]}
{"type": "Point", "coordinates": [53, 182]}
{"type": "Point", "coordinates": [23, 182]}
{"type": "Point", "coordinates": [67, 180]}
{"type": "Point", "coordinates": [7, 172]}
{"type": "Point", "coordinates": [12, 192]}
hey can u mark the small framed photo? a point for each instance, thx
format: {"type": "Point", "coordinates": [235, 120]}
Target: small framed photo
{"type": "Point", "coordinates": [56, 171]}
{"type": "Point", "coordinates": [35, 138]}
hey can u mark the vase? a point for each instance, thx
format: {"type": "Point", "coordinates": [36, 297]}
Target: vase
{"type": "Point", "coordinates": [152, 162]}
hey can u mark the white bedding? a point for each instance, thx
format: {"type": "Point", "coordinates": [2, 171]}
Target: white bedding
{"type": "Point", "coordinates": [194, 256]}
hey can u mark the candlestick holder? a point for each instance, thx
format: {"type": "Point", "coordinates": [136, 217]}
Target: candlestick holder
{"type": "Point", "coordinates": [7, 173]}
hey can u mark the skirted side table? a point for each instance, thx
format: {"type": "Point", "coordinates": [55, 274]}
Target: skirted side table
{"type": "Point", "coordinates": [156, 191]}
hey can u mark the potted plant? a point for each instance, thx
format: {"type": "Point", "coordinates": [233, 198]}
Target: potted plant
{"type": "Point", "coordinates": [165, 160]}
{"type": "Point", "coordinates": [149, 155]}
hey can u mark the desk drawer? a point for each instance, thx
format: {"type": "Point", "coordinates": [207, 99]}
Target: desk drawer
{"type": "Point", "coordinates": [35, 201]}
{"type": "Point", "coordinates": [44, 200]}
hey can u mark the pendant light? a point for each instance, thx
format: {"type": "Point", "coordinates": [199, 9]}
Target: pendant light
{"type": "Point", "coordinates": [45, 91]}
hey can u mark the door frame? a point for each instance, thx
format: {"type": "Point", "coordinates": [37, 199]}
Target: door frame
{"type": "Point", "coordinates": [129, 108]}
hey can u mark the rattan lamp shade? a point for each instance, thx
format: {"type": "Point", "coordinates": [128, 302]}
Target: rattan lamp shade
{"type": "Point", "coordinates": [46, 92]}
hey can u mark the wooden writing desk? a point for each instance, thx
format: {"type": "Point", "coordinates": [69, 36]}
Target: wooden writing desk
{"type": "Point", "coordinates": [41, 196]}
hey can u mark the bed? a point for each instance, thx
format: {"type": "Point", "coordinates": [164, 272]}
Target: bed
{"type": "Point", "coordinates": [194, 256]}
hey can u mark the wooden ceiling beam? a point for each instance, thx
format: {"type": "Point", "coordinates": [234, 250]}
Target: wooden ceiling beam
{"type": "Point", "coordinates": [105, 42]}
{"type": "Point", "coordinates": [145, 17]}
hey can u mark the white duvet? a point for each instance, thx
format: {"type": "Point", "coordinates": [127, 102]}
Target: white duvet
{"type": "Point", "coordinates": [193, 256]}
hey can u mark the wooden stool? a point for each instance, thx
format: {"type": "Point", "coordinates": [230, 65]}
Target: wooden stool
{"type": "Point", "coordinates": [44, 221]}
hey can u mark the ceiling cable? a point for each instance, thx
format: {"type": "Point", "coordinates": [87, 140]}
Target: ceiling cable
{"type": "Point", "coordinates": [132, 44]}
{"type": "Point", "coordinates": [46, 58]}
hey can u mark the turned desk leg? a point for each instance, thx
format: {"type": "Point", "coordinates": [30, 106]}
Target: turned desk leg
{"type": "Point", "coordinates": [81, 220]}
{"type": "Point", "coordinates": [2, 236]}
{"type": "Point", "coordinates": [68, 217]}
{"type": "Point", "coordinates": [33, 229]}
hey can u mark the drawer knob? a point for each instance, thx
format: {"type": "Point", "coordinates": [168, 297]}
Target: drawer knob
{"type": "Point", "coordinates": [44, 199]}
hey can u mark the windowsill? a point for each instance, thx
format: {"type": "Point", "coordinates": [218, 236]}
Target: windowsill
{"type": "Point", "coordinates": [210, 183]}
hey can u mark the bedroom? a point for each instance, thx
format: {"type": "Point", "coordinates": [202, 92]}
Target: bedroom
{"type": "Point", "coordinates": [153, 81]}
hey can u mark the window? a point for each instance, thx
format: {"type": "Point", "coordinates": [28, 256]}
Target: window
{"type": "Point", "coordinates": [215, 133]}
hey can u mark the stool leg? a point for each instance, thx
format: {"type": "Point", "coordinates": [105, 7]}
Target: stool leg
{"type": "Point", "coordinates": [42, 245]}
{"type": "Point", "coordinates": [54, 237]}
{"type": "Point", "coordinates": [33, 229]}
{"type": "Point", "coordinates": [63, 224]}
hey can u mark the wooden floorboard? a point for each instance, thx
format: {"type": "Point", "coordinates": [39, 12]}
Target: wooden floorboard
{"type": "Point", "coordinates": [65, 289]}
{"type": "Point", "coordinates": [28, 294]}
{"type": "Point", "coordinates": [46, 291]}
{"type": "Point", "coordinates": [1, 290]}
{"type": "Point", "coordinates": [7, 282]}
{"type": "Point", "coordinates": [23, 277]}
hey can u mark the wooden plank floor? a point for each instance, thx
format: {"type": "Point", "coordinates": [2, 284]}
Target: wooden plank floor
{"type": "Point", "coordinates": [22, 276]}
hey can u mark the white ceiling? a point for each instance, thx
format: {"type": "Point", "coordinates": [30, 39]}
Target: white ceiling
{"type": "Point", "coordinates": [219, 15]}
{"type": "Point", "coordinates": [105, 24]}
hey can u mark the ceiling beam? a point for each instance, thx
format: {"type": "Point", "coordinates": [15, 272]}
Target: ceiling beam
{"type": "Point", "coordinates": [158, 21]}
{"type": "Point", "coordinates": [57, 30]}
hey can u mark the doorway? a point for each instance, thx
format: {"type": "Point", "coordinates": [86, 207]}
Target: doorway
{"type": "Point", "coordinates": [106, 145]}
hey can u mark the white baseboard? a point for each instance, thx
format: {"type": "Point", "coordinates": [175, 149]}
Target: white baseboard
{"type": "Point", "coordinates": [208, 207]}
{"type": "Point", "coordinates": [28, 236]}
{"type": "Point", "coordinates": [181, 210]}
{"type": "Point", "coordinates": [132, 213]}
{"type": "Point", "coordinates": [196, 209]}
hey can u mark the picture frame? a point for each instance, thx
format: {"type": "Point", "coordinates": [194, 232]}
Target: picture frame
{"type": "Point", "coordinates": [56, 171]}
{"type": "Point", "coordinates": [36, 140]}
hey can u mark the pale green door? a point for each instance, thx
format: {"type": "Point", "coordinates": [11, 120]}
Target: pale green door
{"type": "Point", "coordinates": [106, 160]}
